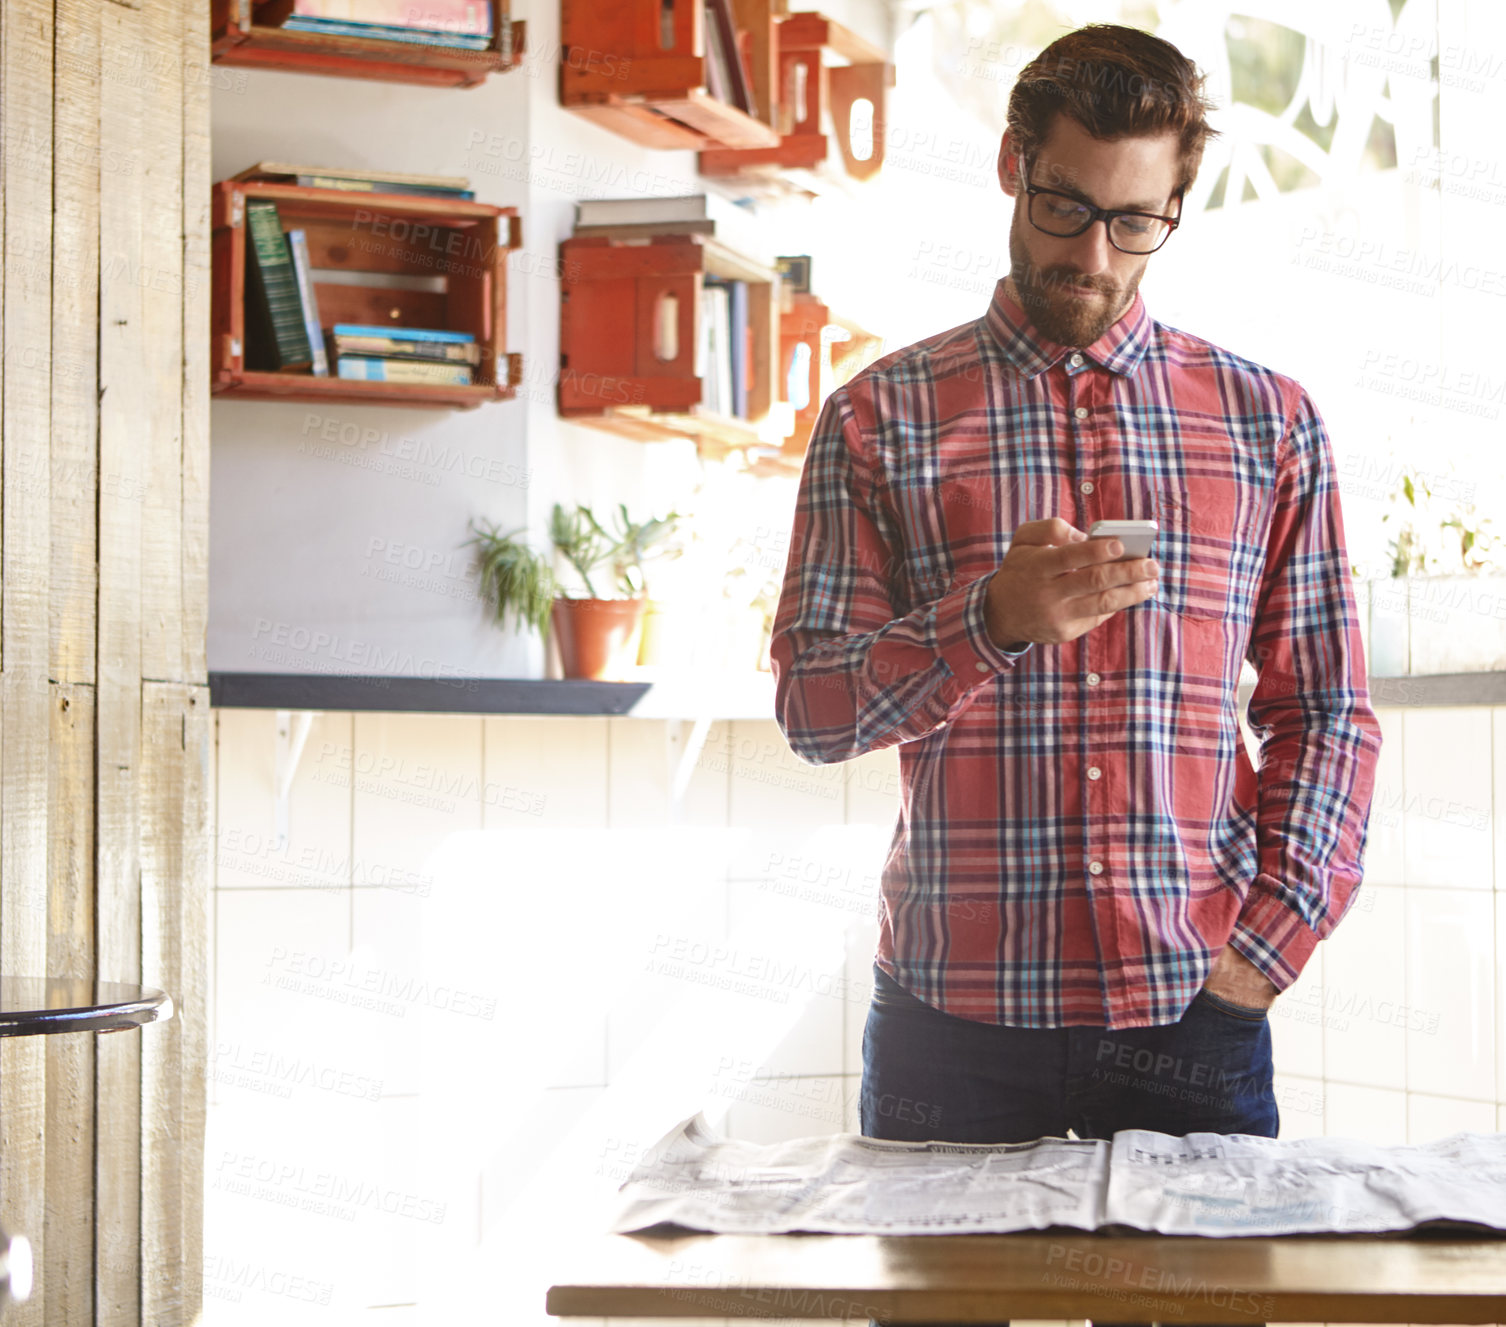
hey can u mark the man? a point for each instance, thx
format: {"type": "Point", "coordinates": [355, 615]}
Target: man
{"type": "Point", "coordinates": [1093, 896]}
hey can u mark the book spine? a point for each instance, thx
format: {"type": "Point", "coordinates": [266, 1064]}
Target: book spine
{"type": "Point", "coordinates": [466, 18]}
{"type": "Point", "coordinates": [391, 348]}
{"type": "Point", "coordinates": [402, 370]}
{"type": "Point", "coordinates": [402, 333]}
{"type": "Point", "coordinates": [379, 187]}
{"type": "Point", "coordinates": [303, 270]}
{"type": "Point", "coordinates": [378, 32]}
{"type": "Point", "coordinates": [276, 289]}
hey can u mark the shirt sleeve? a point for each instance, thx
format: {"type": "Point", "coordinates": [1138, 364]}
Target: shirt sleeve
{"type": "Point", "coordinates": [1319, 738]}
{"type": "Point", "coordinates": [857, 665]}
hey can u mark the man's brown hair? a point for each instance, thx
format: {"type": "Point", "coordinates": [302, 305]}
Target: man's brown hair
{"type": "Point", "coordinates": [1115, 82]}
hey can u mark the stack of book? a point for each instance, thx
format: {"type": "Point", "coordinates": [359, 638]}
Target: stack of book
{"type": "Point", "coordinates": [284, 333]}
{"type": "Point", "coordinates": [462, 24]}
{"type": "Point", "coordinates": [403, 354]}
{"type": "Point", "coordinates": [723, 360]}
{"type": "Point", "coordinates": [360, 181]}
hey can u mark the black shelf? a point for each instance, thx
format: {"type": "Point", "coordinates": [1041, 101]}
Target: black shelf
{"type": "Point", "coordinates": [420, 695]}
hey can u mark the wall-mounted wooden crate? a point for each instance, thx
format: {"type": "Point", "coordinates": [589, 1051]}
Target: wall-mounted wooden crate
{"type": "Point", "coordinates": [457, 249]}
{"type": "Point", "coordinates": [639, 68]}
{"type": "Point", "coordinates": [241, 34]}
{"type": "Point", "coordinates": [629, 327]}
{"type": "Point", "coordinates": [824, 70]}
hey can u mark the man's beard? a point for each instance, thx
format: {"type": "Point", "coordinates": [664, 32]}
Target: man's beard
{"type": "Point", "coordinates": [1057, 314]}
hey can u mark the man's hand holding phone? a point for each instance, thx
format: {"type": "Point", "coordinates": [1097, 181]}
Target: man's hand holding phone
{"type": "Point", "coordinates": [1057, 583]}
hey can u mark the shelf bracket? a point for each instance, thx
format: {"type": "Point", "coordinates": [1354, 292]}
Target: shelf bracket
{"type": "Point", "coordinates": [691, 745]}
{"type": "Point", "coordinates": [292, 735]}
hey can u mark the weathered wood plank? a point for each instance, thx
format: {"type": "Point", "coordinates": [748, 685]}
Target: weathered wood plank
{"type": "Point", "coordinates": [193, 984]}
{"type": "Point", "coordinates": [161, 332]}
{"type": "Point", "coordinates": [164, 732]}
{"type": "Point", "coordinates": [68, 1273]}
{"type": "Point", "coordinates": [196, 288]}
{"type": "Point", "coordinates": [25, 465]}
{"type": "Point", "coordinates": [75, 341]}
{"type": "Point", "coordinates": [121, 452]}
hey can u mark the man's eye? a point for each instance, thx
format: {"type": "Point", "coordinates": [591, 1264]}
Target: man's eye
{"type": "Point", "coordinates": [1137, 225]}
{"type": "Point", "coordinates": [1064, 208]}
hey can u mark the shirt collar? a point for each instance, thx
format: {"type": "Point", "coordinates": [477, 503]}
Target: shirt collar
{"type": "Point", "coordinates": [1120, 349]}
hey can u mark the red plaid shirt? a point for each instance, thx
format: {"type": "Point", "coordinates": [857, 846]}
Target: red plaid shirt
{"type": "Point", "coordinates": [1081, 830]}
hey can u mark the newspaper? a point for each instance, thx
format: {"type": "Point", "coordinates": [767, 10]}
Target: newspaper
{"type": "Point", "coordinates": [1209, 1184]}
{"type": "Point", "coordinates": [845, 1184]}
{"type": "Point", "coordinates": [1203, 1184]}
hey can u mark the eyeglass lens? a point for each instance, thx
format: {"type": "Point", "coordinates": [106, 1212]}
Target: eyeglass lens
{"type": "Point", "coordinates": [1057, 214]}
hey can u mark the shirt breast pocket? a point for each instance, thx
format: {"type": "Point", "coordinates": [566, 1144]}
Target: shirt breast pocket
{"type": "Point", "coordinates": [1210, 562]}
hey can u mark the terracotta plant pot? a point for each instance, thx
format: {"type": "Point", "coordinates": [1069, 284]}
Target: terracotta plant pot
{"type": "Point", "coordinates": [597, 638]}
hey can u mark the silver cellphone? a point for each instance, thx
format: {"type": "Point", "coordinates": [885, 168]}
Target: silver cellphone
{"type": "Point", "coordinates": [1136, 536]}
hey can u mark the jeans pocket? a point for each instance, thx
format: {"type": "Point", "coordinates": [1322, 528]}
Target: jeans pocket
{"type": "Point", "coordinates": [1247, 1013]}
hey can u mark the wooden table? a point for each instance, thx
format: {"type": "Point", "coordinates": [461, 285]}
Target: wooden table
{"type": "Point", "coordinates": [989, 1278]}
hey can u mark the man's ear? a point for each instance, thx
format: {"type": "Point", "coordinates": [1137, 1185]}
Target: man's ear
{"type": "Point", "coordinates": [1009, 166]}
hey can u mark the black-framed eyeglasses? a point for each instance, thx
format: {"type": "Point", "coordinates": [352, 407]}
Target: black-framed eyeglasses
{"type": "Point", "coordinates": [1065, 216]}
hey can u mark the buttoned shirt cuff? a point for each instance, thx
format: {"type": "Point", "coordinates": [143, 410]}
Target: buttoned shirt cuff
{"type": "Point", "coordinates": [1272, 934]}
{"type": "Point", "coordinates": [963, 640]}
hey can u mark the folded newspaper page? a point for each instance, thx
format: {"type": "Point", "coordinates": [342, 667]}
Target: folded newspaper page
{"type": "Point", "coordinates": [846, 1184]}
{"type": "Point", "coordinates": [1203, 1184]}
{"type": "Point", "coordinates": [1209, 1184]}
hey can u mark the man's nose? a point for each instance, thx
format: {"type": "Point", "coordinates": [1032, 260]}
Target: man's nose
{"type": "Point", "coordinates": [1092, 249]}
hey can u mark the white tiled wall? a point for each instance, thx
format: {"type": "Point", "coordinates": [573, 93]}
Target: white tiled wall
{"type": "Point", "coordinates": [496, 958]}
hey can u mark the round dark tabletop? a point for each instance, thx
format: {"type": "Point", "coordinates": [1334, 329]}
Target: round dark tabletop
{"type": "Point", "coordinates": [30, 1006]}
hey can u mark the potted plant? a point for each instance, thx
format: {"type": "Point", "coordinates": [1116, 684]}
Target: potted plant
{"type": "Point", "coordinates": [514, 579]}
{"type": "Point", "coordinates": [1443, 608]}
{"type": "Point", "coordinates": [598, 637]}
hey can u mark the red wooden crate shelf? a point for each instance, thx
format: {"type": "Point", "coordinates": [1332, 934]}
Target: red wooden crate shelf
{"type": "Point", "coordinates": [824, 69]}
{"type": "Point", "coordinates": [639, 68]}
{"type": "Point", "coordinates": [458, 247]}
{"type": "Point", "coordinates": [264, 45]}
{"type": "Point", "coordinates": [615, 371]}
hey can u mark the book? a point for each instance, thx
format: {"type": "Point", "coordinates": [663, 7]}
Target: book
{"type": "Point", "coordinates": [391, 347]}
{"type": "Point", "coordinates": [741, 360]}
{"type": "Point", "coordinates": [723, 56]}
{"type": "Point", "coordinates": [379, 187]}
{"type": "Point", "coordinates": [464, 17]}
{"type": "Point", "coordinates": [279, 170]}
{"type": "Point", "coordinates": [624, 211]}
{"type": "Point", "coordinates": [402, 333]}
{"type": "Point", "coordinates": [729, 223]}
{"type": "Point", "coordinates": [303, 272]}
{"type": "Point", "coordinates": [646, 229]}
{"type": "Point", "coordinates": [376, 32]}
{"type": "Point", "coordinates": [275, 335]}
{"type": "Point", "coordinates": [715, 349]}
{"type": "Point", "coordinates": [402, 370]}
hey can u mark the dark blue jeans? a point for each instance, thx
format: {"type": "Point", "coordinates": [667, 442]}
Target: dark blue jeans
{"type": "Point", "coordinates": [929, 1075]}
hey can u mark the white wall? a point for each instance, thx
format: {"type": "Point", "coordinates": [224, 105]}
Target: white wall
{"type": "Point", "coordinates": [495, 959]}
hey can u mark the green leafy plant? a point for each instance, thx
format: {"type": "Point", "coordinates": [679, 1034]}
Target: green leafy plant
{"type": "Point", "coordinates": [1428, 540]}
{"type": "Point", "coordinates": [589, 546]}
{"type": "Point", "coordinates": [514, 578]}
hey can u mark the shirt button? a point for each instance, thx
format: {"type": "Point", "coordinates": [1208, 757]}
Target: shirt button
{"type": "Point", "coordinates": [981, 666]}
{"type": "Point", "coordinates": [1081, 412]}
{"type": "Point", "coordinates": [1086, 486]}
{"type": "Point", "coordinates": [1075, 361]}
{"type": "Point", "coordinates": [1094, 679]}
{"type": "Point", "coordinates": [1095, 868]}
{"type": "Point", "coordinates": [1094, 772]}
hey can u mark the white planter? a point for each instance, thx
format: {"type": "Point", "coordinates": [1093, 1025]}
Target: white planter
{"type": "Point", "coordinates": [1420, 625]}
